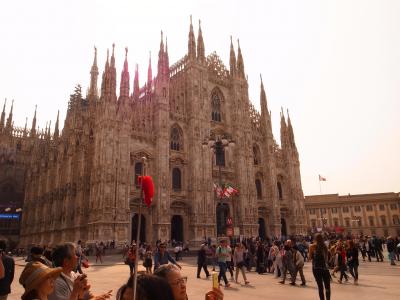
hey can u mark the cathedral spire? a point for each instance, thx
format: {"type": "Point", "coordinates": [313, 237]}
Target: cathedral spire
{"type": "Point", "coordinates": [107, 61]}
{"type": "Point", "coordinates": [283, 130]}
{"type": "Point", "coordinates": [200, 45]}
{"type": "Point", "coordinates": [191, 42]}
{"type": "Point", "coordinates": [48, 133]}
{"type": "Point", "coordinates": [166, 57]}
{"type": "Point", "coordinates": [263, 98]}
{"type": "Point", "coordinates": [232, 60]}
{"type": "Point", "coordinates": [265, 114]}
{"type": "Point", "coordinates": [25, 134]}
{"type": "Point", "coordinates": [105, 75]}
{"type": "Point", "coordinates": [10, 116]}
{"type": "Point", "coordinates": [3, 115]}
{"type": "Point", "coordinates": [290, 133]}
{"type": "Point", "coordinates": [149, 72]}
{"type": "Point", "coordinates": [136, 83]}
{"type": "Point", "coordinates": [240, 64]}
{"type": "Point", "coordinates": [124, 86]}
{"type": "Point", "coordinates": [161, 44]}
{"type": "Point", "coordinates": [94, 72]}
{"type": "Point", "coordinates": [163, 62]}
{"type": "Point", "coordinates": [33, 128]}
{"type": "Point", "coordinates": [56, 130]}
{"type": "Point", "coordinates": [112, 56]}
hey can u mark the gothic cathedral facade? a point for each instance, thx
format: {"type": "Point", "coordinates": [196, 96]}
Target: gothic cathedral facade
{"type": "Point", "coordinates": [80, 183]}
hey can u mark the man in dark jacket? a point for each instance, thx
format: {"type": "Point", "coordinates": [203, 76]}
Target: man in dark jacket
{"type": "Point", "coordinates": [201, 260]}
{"type": "Point", "coordinates": [7, 266]}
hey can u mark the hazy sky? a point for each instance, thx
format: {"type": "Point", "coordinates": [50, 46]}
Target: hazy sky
{"type": "Point", "coordinates": [334, 64]}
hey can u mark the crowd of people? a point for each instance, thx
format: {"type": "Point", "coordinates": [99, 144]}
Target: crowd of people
{"type": "Point", "coordinates": [57, 273]}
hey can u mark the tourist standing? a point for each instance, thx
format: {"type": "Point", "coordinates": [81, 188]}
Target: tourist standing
{"type": "Point", "coordinates": [391, 248]}
{"type": "Point", "coordinates": [202, 260]}
{"type": "Point", "coordinates": [7, 267]}
{"type": "Point", "coordinates": [260, 267]}
{"type": "Point", "coordinates": [162, 257]}
{"type": "Point", "coordinates": [352, 260]}
{"type": "Point", "coordinates": [222, 254]}
{"type": "Point", "coordinates": [318, 253]}
{"type": "Point", "coordinates": [148, 260]}
{"type": "Point", "coordinates": [99, 252]}
{"type": "Point", "coordinates": [273, 254]}
{"type": "Point", "coordinates": [131, 259]}
{"type": "Point", "coordinates": [238, 260]}
{"type": "Point", "coordinates": [79, 253]}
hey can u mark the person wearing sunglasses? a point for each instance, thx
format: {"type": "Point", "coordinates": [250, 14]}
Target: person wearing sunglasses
{"type": "Point", "coordinates": [162, 257]}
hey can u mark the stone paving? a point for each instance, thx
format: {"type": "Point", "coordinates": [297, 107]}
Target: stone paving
{"type": "Point", "coordinates": [377, 281]}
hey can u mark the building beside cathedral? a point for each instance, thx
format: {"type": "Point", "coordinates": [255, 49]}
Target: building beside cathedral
{"type": "Point", "coordinates": [79, 183]}
{"type": "Point", "coordinates": [363, 214]}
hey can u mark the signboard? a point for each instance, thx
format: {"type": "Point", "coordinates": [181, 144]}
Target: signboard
{"type": "Point", "coordinates": [229, 231]}
{"type": "Point", "coordinates": [9, 216]}
{"type": "Point", "coordinates": [229, 221]}
{"type": "Point", "coordinates": [236, 231]}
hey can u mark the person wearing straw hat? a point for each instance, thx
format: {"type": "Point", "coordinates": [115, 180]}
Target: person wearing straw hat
{"type": "Point", "coordinates": [38, 281]}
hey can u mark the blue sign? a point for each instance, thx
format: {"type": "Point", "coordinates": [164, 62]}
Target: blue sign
{"type": "Point", "coordinates": [9, 216]}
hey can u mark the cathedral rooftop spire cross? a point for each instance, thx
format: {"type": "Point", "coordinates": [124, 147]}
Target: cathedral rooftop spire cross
{"type": "Point", "coordinates": [200, 45]}
{"type": "Point", "coordinates": [232, 60]}
{"type": "Point", "coordinates": [191, 42]}
{"type": "Point", "coordinates": [94, 72]}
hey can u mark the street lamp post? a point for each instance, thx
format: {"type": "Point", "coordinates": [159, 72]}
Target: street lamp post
{"type": "Point", "coordinates": [218, 145]}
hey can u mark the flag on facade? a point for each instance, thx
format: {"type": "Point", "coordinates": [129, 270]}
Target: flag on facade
{"type": "Point", "coordinates": [321, 178]}
{"type": "Point", "coordinates": [218, 190]}
{"type": "Point", "coordinates": [225, 191]}
{"type": "Point", "coordinates": [231, 191]}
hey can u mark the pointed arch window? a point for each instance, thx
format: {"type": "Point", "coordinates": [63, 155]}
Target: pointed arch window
{"type": "Point", "coordinates": [176, 179]}
{"type": "Point", "coordinates": [280, 192]}
{"type": "Point", "coordinates": [216, 107]}
{"type": "Point", "coordinates": [259, 189]}
{"type": "Point", "coordinates": [176, 142]}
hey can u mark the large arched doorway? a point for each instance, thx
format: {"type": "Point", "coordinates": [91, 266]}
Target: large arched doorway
{"type": "Point", "coordinates": [142, 236]}
{"type": "Point", "coordinates": [283, 227]}
{"type": "Point", "coordinates": [261, 228]}
{"type": "Point", "coordinates": [177, 228]}
{"type": "Point", "coordinates": [222, 216]}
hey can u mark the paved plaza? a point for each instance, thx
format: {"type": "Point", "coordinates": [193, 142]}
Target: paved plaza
{"type": "Point", "coordinates": [377, 281]}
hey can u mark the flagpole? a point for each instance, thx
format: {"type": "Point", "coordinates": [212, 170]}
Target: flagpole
{"type": "Point", "coordinates": [319, 179]}
{"type": "Point", "coordinates": [143, 159]}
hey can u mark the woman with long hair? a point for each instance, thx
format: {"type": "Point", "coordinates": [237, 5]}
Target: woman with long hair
{"type": "Point", "coordinates": [318, 253]}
